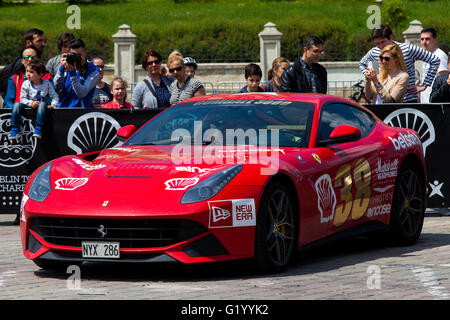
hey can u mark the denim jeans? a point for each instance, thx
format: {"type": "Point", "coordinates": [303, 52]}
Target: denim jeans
{"type": "Point", "coordinates": [18, 110]}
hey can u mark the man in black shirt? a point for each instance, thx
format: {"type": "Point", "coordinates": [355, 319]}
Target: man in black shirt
{"type": "Point", "coordinates": [306, 74]}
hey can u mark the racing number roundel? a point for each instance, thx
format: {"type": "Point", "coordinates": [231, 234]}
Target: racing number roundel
{"type": "Point", "coordinates": [360, 176]}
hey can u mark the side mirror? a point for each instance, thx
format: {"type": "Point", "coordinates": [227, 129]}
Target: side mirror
{"type": "Point", "coordinates": [125, 132]}
{"type": "Point", "coordinates": [343, 133]}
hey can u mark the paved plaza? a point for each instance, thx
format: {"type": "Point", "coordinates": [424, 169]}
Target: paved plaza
{"type": "Point", "coordinates": [356, 268]}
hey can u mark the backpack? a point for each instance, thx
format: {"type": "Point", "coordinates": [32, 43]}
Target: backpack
{"type": "Point", "coordinates": [5, 73]}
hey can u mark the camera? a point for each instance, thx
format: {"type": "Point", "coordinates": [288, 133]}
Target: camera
{"type": "Point", "coordinates": [74, 59]}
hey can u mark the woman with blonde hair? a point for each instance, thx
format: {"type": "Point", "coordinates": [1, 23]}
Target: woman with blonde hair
{"type": "Point", "coordinates": [390, 85]}
{"type": "Point", "coordinates": [184, 87]}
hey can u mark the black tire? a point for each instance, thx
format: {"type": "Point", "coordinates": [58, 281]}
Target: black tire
{"type": "Point", "coordinates": [276, 229]}
{"type": "Point", "coordinates": [408, 205]}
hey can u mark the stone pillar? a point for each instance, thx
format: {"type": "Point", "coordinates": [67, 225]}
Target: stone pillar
{"type": "Point", "coordinates": [412, 34]}
{"type": "Point", "coordinates": [124, 52]}
{"type": "Point", "coordinates": [269, 46]}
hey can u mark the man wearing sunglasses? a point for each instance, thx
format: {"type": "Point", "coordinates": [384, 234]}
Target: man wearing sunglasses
{"type": "Point", "coordinates": [33, 37]}
{"type": "Point", "coordinates": [382, 36]}
{"type": "Point", "coordinates": [306, 74]}
{"type": "Point", "coordinates": [76, 77]}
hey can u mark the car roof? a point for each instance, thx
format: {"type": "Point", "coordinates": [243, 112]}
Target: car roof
{"type": "Point", "coordinates": [316, 98]}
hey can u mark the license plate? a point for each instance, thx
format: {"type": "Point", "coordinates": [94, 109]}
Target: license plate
{"type": "Point", "coordinates": [109, 250]}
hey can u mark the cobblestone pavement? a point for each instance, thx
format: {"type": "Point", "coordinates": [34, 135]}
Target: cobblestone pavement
{"type": "Point", "coordinates": [356, 268]}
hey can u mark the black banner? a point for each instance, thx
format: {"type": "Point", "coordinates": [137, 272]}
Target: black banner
{"type": "Point", "coordinates": [75, 131]}
{"type": "Point", "coordinates": [67, 131]}
{"type": "Point", "coordinates": [432, 122]}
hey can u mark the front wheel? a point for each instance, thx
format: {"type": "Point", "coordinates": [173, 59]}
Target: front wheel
{"type": "Point", "coordinates": [408, 206]}
{"type": "Point", "coordinates": [276, 232]}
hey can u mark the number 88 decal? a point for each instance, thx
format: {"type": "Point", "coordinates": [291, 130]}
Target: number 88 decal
{"type": "Point", "coordinates": [361, 177]}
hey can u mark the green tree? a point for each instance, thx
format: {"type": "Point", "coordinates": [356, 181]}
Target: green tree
{"type": "Point", "coordinates": [393, 14]}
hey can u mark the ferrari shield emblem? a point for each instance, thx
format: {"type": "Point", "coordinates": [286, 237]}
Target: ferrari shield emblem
{"type": "Point", "coordinates": [315, 156]}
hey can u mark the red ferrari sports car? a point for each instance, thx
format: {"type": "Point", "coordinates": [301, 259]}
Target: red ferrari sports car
{"type": "Point", "coordinates": [227, 177]}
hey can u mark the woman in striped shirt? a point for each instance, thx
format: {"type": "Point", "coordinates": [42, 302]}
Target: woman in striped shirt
{"type": "Point", "coordinates": [382, 36]}
{"type": "Point", "coordinates": [184, 87]}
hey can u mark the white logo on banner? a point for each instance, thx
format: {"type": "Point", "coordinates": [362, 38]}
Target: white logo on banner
{"type": "Point", "coordinates": [16, 154]}
{"type": "Point", "coordinates": [413, 119]}
{"type": "Point", "coordinates": [436, 189]}
{"type": "Point", "coordinates": [93, 131]}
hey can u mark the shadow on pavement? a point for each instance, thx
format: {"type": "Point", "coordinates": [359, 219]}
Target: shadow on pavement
{"type": "Point", "coordinates": [342, 253]}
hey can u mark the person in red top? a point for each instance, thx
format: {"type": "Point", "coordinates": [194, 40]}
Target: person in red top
{"type": "Point", "coordinates": [119, 92]}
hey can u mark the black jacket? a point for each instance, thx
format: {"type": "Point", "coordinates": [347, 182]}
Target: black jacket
{"type": "Point", "coordinates": [297, 77]}
{"type": "Point", "coordinates": [441, 90]}
{"type": "Point", "coordinates": [7, 71]}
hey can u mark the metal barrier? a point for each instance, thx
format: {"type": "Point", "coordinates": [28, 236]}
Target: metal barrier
{"type": "Point", "coordinates": [341, 88]}
{"type": "Point", "coordinates": [229, 86]}
{"type": "Point", "coordinates": [209, 87]}
{"type": "Point", "coordinates": [335, 88]}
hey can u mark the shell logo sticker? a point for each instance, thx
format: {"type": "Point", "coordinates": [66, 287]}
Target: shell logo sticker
{"type": "Point", "coordinates": [180, 183]}
{"type": "Point", "coordinates": [326, 198]}
{"type": "Point", "coordinates": [315, 156]}
{"type": "Point", "coordinates": [70, 183]}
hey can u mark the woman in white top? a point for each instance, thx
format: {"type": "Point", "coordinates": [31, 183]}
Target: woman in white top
{"type": "Point", "coordinates": [390, 85]}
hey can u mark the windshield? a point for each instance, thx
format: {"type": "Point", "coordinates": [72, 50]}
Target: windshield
{"type": "Point", "coordinates": [230, 122]}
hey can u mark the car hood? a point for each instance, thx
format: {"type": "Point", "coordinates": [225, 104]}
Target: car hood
{"type": "Point", "coordinates": [147, 169]}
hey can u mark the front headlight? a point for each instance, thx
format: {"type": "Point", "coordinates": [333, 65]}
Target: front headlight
{"type": "Point", "coordinates": [210, 187]}
{"type": "Point", "coordinates": [40, 187]}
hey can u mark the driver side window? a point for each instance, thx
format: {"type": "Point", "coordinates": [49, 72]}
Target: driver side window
{"type": "Point", "coordinates": [334, 114]}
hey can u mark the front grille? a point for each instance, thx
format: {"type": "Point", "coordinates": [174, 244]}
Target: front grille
{"type": "Point", "coordinates": [131, 233]}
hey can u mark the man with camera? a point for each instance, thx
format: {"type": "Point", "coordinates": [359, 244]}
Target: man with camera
{"type": "Point", "coordinates": [76, 77]}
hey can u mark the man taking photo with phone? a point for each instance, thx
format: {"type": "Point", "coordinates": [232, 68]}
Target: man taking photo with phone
{"type": "Point", "coordinates": [76, 77]}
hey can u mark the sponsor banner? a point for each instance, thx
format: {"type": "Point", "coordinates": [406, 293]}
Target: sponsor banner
{"type": "Point", "coordinates": [232, 213]}
{"type": "Point", "coordinates": [64, 131]}
{"type": "Point", "coordinates": [67, 131]}
{"type": "Point", "coordinates": [432, 123]}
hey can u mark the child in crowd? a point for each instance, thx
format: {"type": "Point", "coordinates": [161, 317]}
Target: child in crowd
{"type": "Point", "coordinates": [253, 75]}
{"type": "Point", "coordinates": [119, 93]}
{"type": "Point", "coordinates": [190, 65]}
{"type": "Point", "coordinates": [33, 94]}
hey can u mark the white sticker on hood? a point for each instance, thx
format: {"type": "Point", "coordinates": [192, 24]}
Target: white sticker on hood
{"type": "Point", "coordinates": [180, 183]}
{"type": "Point", "coordinates": [70, 183]}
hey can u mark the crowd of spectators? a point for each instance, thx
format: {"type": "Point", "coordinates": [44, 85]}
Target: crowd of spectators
{"type": "Point", "coordinates": [388, 69]}
{"type": "Point", "coordinates": [71, 80]}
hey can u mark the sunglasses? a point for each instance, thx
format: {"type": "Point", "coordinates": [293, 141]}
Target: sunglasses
{"type": "Point", "coordinates": [150, 63]}
{"type": "Point", "coordinates": [385, 59]}
{"type": "Point", "coordinates": [31, 56]}
{"type": "Point", "coordinates": [178, 69]}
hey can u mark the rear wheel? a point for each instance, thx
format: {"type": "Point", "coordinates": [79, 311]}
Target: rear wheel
{"type": "Point", "coordinates": [276, 232]}
{"type": "Point", "coordinates": [408, 205]}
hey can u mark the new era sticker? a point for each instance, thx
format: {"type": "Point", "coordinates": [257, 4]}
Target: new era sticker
{"type": "Point", "coordinates": [232, 213]}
